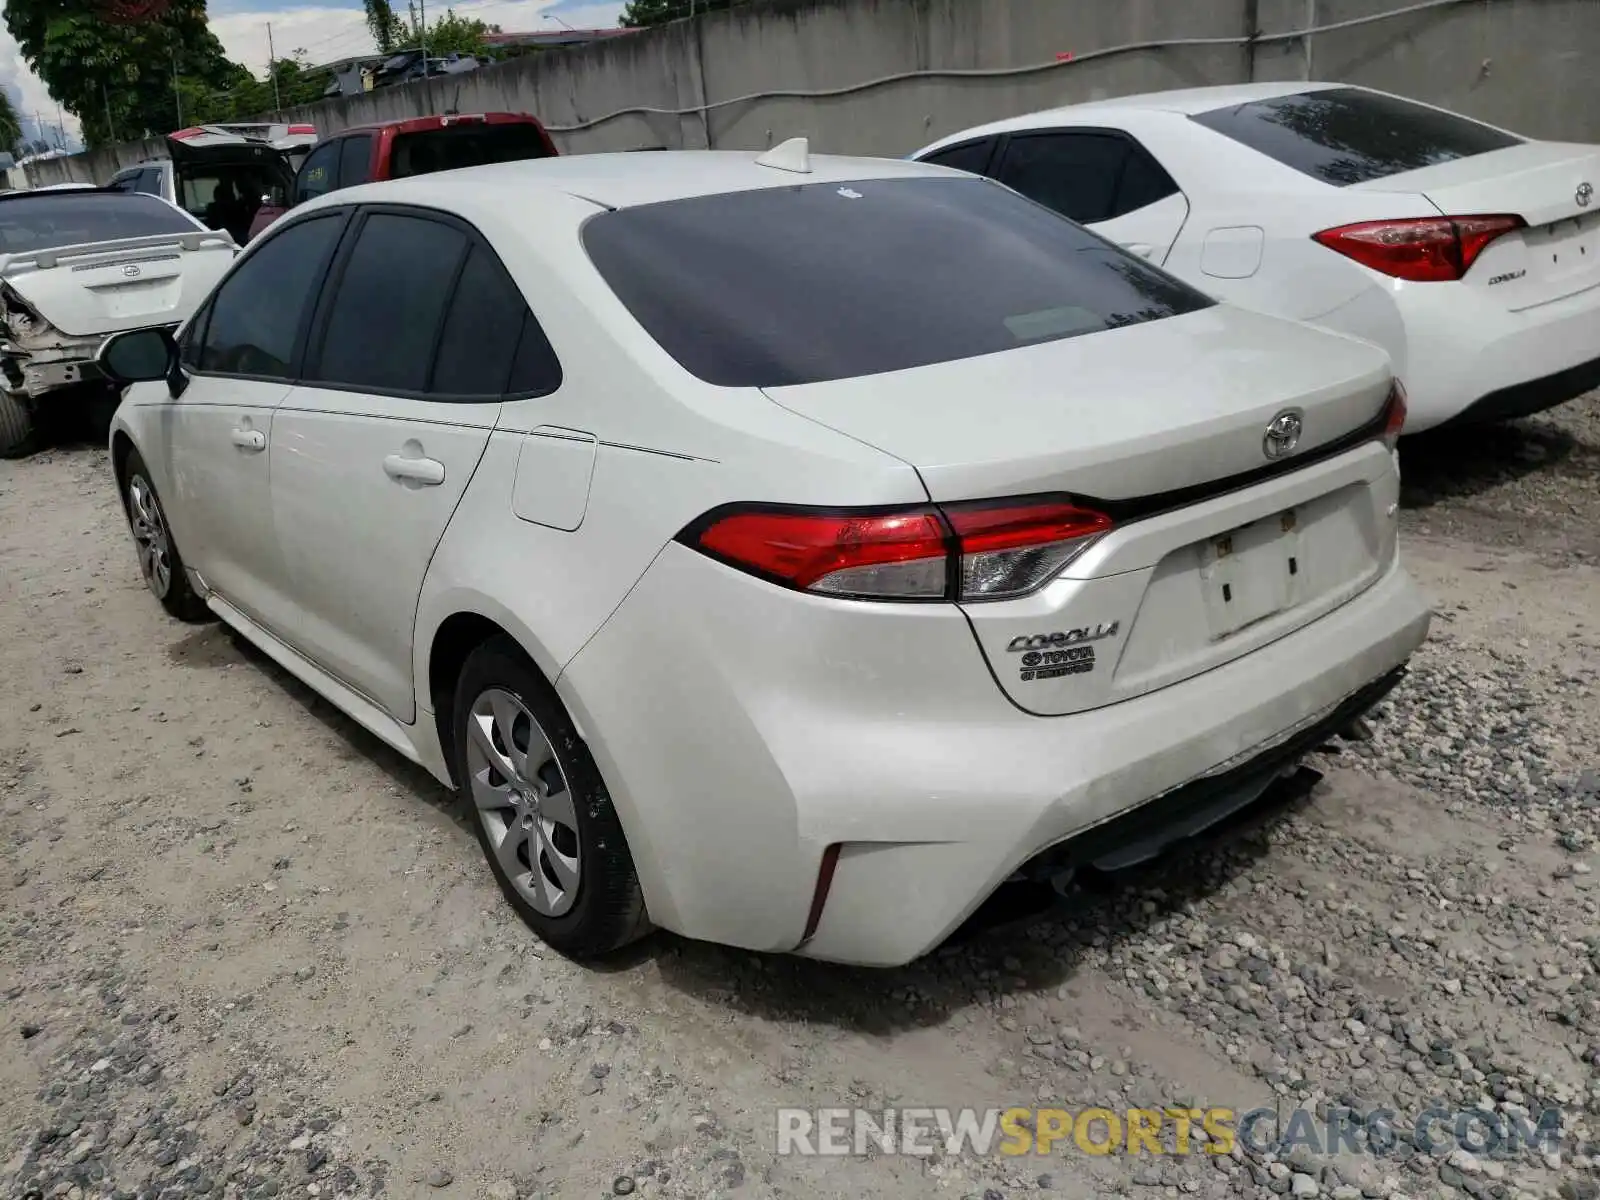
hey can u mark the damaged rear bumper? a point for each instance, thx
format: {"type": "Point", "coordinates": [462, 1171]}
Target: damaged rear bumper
{"type": "Point", "coordinates": [62, 363]}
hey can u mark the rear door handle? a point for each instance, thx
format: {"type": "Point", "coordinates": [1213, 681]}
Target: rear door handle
{"type": "Point", "coordinates": [1142, 249]}
{"type": "Point", "coordinates": [249, 439]}
{"type": "Point", "coordinates": [428, 472]}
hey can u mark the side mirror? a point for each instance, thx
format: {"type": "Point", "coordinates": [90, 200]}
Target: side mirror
{"type": "Point", "coordinates": [142, 356]}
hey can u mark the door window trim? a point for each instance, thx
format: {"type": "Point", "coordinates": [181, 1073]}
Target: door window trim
{"type": "Point", "coordinates": [1136, 147]}
{"type": "Point", "coordinates": [310, 353]}
{"type": "Point", "coordinates": [997, 142]}
{"type": "Point", "coordinates": [340, 214]}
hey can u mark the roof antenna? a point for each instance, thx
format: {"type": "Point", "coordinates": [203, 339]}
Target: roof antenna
{"type": "Point", "coordinates": [792, 155]}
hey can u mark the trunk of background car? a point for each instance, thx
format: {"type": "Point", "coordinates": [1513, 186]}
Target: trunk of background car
{"type": "Point", "coordinates": [1206, 561]}
{"type": "Point", "coordinates": [109, 286]}
{"type": "Point", "coordinates": [1558, 254]}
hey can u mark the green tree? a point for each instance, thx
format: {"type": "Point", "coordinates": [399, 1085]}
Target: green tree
{"type": "Point", "coordinates": [388, 30]}
{"type": "Point", "coordinates": [10, 126]}
{"type": "Point", "coordinates": [450, 34]}
{"type": "Point", "coordinates": [641, 14]}
{"type": "Point", "coordinates": [118, 78]}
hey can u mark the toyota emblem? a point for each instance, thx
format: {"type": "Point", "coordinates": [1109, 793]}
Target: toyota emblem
{"type": "Point", "coordinates": [1585, 194]}
{"type": "Point", "coordinates": [1283, 435]}
{"type": "Point", "coordinates": [130, 271]}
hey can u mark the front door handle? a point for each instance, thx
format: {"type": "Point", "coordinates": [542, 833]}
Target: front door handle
{"type": "Point", "coordinates": [428, 472]}
{"type": "Point", "coordinates": [249, 439]}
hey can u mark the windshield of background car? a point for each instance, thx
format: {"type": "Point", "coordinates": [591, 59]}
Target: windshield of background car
{"type": "Point", "coordinates": [453, 146]}
{"type": "Point", "coordinates": [56, 219]}
{"type": "Point", "coordinates": [821, 281]}
{"type": "Point", "coordinates": [1344, 136]}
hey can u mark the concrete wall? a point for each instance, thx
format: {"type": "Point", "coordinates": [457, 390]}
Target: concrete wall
{"type": "Point", "coordinates": [1530, 65]}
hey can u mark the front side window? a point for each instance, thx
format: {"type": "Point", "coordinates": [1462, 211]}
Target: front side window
{"type": "Point", "coordinates": [50, 220]}
{"type": "Point", "coordinates": [806, 283]}
{"type": "Point", "coordinates": [972, 157]}
{"type": "Point", "coordinates": [319, 174]}
{"type": "Point", "coordinates": [385, 314]}
{"type": "Point", "coordinates": [256, 315]}
{"type": "Point", "coordinates": [1345, 136]}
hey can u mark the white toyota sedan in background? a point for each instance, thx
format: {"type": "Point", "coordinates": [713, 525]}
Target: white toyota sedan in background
{"type": "Point", "coordinates": [783, 551]}
{"type": "Point", "coordinates": [1470, 254]}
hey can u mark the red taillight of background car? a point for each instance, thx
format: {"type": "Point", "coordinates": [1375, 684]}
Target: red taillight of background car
{"type": "Point", "coordinates": [988, 550]}
{"type": "Point", "coordinates": [1422, 249]}
{"type": "Point", "coordinates": [1394, 414]}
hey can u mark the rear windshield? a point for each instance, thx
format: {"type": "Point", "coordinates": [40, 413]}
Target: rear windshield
{"type": "Point", "coordinates": [1345, 135]}
{"type": "Point", "coordinates": [455, 146]}
{"type": "Point", "coordinates": [50, 220]}
{"type": "Point", "coordinates": [824, 281]}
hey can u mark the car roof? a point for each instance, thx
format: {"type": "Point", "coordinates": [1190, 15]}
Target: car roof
{"type": "Point", "coordinates": [421, 124]}
{"type": "Point", "coordinates": [1183, 101]}
{"type": "Point", "coordinates": [621, 180]}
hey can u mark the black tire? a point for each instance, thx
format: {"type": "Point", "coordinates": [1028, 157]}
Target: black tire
{"type": "Point", "coordinates": [155, 544]}
{"type": "Point", "coordinates": [16, 426]}
{"type": "Point", "coordinates": [606, 905]}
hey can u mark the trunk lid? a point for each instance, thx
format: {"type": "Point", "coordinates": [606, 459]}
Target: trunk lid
{"type": "Point", "coordinates": [1128, 413]}
{"type": "Point", "coordinates": [104, 287]}
{"type": "Point", "coordinates": [1553, 186]}
{"type": "Point", "coordinates": [1163, 426]}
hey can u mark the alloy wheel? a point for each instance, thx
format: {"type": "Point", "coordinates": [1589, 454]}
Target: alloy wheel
{"type": "Point", "coordinates": [521, 795]}
{"type": "Point", "coordinates": [150, 536]}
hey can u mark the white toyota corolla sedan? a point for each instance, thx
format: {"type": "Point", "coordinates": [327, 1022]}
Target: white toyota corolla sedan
{"type": "Point", "coordinates": [1470, 254]}
{"type": "Point", "coordinates": [785, 551]}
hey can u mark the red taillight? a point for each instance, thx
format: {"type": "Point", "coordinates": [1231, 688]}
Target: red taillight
{"type": "Point", "coordinates": [893, 555]}
{"type": "Point", "coordinates": [1394, 414]}
{"type": "Point", "coordinates": [979, 551]}
{"type": "Point", "coordinates": [1011, 549]}
{"type": "Point", "coordinates": [1422, 249]}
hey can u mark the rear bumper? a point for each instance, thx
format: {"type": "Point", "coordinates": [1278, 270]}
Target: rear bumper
{"type": "Point", "coordinates": [1469, 358]}
{"type": "Point", "coordinates": [1533, 396]}
{"type": "Point", "coordinates": [737, 752]}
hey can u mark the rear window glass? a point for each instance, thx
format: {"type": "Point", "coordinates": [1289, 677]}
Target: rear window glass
{"type": "Point", "coordinates": [1345, 135]}
{"type": "Point", "coordinates": [455, 146]}
{"type": "Point", "coordinates": [822, 281]}
{"type": "Point", "coordinates": [49, 221]}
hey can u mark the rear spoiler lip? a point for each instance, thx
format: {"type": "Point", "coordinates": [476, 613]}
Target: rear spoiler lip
{"type": "Point", "coordinates": [45, 260]}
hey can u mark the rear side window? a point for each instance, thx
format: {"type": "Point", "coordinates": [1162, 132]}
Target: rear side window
{"type": "Point", "coordinates": [1345, 136]}
{"type": "Point", "coordinates": [800, 284]}
{"type": "Point", "coordinates": [972, 157]}
{"type": "Point", "coordinates": [479, 348]}
{"type": "Point", "coordinates": [1086, 176]}
{"type": "Point", "coordinates": [50, 220]}
{"type": "Point", "coordinates": [453, 146]}
{"type": "Point", "coordinates": [355, 160]}
{"type": "Point", "coordinates": [383, 321]}
{"type": "Point", "coordinates": [254, 320]}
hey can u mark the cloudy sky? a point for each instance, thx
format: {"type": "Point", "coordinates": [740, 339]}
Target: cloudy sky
{"type": "Point", "coordinates": [322, 29]}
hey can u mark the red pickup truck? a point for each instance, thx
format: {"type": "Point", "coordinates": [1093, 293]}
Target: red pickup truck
{"type": "Point", "coordinates": [397, 149]}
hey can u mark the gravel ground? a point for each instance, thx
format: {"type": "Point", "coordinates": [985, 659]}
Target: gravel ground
{"type": "Point", "coordinates": [245, 951]}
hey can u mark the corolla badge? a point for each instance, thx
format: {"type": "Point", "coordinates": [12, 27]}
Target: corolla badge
{"type": "Point", "coordinates": [131, 271]}
{"type": "Point", "coordinates": [1585, 194]}
{"type": "Point", "coordinates": [1283, 434]}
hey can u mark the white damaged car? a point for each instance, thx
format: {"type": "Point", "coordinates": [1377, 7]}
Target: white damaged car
{"type": "Point", "coordinates": [77, 265]}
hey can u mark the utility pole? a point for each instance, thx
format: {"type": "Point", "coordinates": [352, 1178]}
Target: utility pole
{"type": "Point", "coordinates": [272, 70]}
{"type": "Point", "coordinates": [177, 96]}
{"type": "Point", "coordinates": [111, 128]}
{"type": "Point", "coordinates": [422, 38]}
